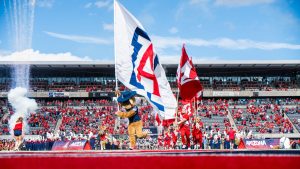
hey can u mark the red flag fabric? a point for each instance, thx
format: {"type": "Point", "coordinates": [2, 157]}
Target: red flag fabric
{"type": "Point", "coordinates": [188, 82]}
{"type": "Point", "coordinates": [157, 119]}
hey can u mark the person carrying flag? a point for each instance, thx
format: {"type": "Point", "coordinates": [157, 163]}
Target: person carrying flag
{"type": "Point", "coordinates": [127, 101]}
{"type": "Point", "coordinates": [184, 128]}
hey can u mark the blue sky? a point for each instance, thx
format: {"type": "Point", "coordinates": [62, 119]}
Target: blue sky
{"type": "Point", "coordinates": [211, 29]}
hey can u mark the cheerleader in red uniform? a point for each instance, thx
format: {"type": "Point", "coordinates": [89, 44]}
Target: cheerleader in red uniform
{"type": "Point", "coordinates": [197, 133]}
{"type": "Point", "coordinates": [184, 128]}
{"type": "Point", "coordinates": [174, 133]}
{"type": "Point", "coordinates": [167, 139]}
{"type": "Point", "coordinates": [18, 132]}
{"type": "Point", "coordinates": [103, 136]}
{"type": "Point", "coordinates": [160, 141]}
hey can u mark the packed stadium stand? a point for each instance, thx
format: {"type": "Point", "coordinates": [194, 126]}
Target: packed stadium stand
{"type": "Point", "coordinates": [76, 98]}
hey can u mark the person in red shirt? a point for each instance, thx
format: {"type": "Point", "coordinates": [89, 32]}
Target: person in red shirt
{"type": "Point", "coordinates": [184, 128]}
{"type": "Point", "coordinates": [197, 133]}
{"type": "Point", "coordinates": [18, 132]}
{"type": "Point", "coordinates": [167, 139]}
{"type": "Point", "coordinates": [160, 141]}
{"type": "Point", "coordinates": [231, 134]}
{"type": "Point", "coordinates": [174, 133]}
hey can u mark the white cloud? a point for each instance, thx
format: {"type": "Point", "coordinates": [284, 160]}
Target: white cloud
{"type": "Point", "coordinates": [226, 43]}
{"type": "Point", "coordinates": [173, 30]}
{"type": "Point", "coordinates": [199, 6]}
{"type": "Point", "coordinates": [101, 4]}
{"type": "Point", "coordinates": [88, 5]}
{"type": "Point", "coordinates": [45, 3]}
{"type": "Point", "coordinates": [108, 27]}
{"type": "Point", "coordinates": [237, 3]}
{"type": "Point", "coordinates": [31, 55]}
{"type": "Point", "coordinates": [79, 39]}
{"type": "Point", "coordinates": [108, 4]}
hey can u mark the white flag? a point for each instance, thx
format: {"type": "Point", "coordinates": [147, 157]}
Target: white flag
{"type": "Point", "coordinates": [138, 66]}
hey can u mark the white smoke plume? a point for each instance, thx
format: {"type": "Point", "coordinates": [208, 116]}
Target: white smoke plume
{"type": "Point", "coordinates": [22, 107]}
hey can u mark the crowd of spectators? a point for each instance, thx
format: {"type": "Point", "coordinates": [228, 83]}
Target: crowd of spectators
{"type": "Point", "coordinates": [80, 119]}
{"type": "Point", "coordinates": [246, 84]}
{"type": "Point", "coordinates": [43, 120]}
{"type": "Point", "coordinates": [7, 145]}
{"type": "Point", "coordinates": [253, 84]}
{"type": "Point", "coordinates": [267, 118]}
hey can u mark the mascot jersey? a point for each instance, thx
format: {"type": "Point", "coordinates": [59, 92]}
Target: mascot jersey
{"type": "Point", "coordinates": [136, 116]}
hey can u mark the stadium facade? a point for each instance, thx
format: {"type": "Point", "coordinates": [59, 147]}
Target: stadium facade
{"type": "Point", "coordinates": [220, 79]}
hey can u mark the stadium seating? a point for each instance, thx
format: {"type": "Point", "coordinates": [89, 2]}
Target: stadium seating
{"type": "Point", "coordinates": [109, 85]}
{"type": "Point", "coordinates": [79, 117]}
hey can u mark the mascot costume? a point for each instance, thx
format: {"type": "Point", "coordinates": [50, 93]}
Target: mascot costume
{"type": "Point", "coordinates": [127, 101]}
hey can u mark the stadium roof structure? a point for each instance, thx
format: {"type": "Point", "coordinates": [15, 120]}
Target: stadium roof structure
{"type": "Point", "coordinates": [197, 63]}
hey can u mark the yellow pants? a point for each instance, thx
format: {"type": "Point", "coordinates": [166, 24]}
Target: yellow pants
{"type": "Point", "coordinates": [135, 128]}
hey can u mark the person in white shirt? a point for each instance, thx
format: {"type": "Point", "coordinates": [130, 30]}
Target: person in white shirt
{"type": "Point", "coordinates": [284, 143]}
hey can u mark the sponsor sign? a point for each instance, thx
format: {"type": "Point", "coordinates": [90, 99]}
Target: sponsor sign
{"type": "Point", "coordinates": [225, 93]}
{"type": "Point", "coordinates": [60, 145]}
{"type": "Point", "coordinates": [58, 94]}
{"type": "Point", "coordinates": [77, 145]}
{"type": "Point", "coordinates": [71, 145]}
{"type": "Point", "coordinates": [261, 143]}
{"type": "Point", "coordinates": [152, 131]}
{"type": "Point", "coordinates": [101, 94]}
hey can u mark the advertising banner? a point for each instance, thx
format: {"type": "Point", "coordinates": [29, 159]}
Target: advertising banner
{"type": "Point", "coordinates": [60, 145]}
{"type": "Point", "coordinates": [71, 145]}
{"type": "Point", "coordinates": [101, 94]}
{"type": "Point", "coordinates": [225, 93]}
{"type": "Point", "coordinates": [261, 143]}
{"type": "Point", "coordinates": [77, 145]}
{"type": "Point", "coordinates": [152, 131]}
{"type": "Point", "coordinates": [58, 94]}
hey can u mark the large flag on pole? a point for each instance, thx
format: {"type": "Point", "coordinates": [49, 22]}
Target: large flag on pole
{"type": "Point", "coordinates": [188, 82]}
{"type": "Point", "coordinates": [137, 65]}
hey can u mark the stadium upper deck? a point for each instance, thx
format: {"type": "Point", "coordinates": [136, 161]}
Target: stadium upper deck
{"type": "Point", "coordinates": [228, 78]}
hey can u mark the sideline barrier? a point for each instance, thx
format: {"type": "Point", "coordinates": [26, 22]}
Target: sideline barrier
{"type": "Point", "coordinates": [164, 159]}
{"type": "Point", "coordinates": [71, 145]}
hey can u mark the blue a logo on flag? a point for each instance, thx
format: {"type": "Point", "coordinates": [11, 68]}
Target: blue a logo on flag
{"type": "Point", "coordinates": [148, 59]}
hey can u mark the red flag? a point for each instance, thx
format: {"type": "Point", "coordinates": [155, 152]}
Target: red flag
{"type": "Point", "coordinates": [188, 106]}
{"type": "Point", "coordinates": [188, 82]}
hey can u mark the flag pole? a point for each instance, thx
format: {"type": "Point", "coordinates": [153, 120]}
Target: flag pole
{"type": "Point", "coordinates": [117, 122]}
{"type": "Point", "coordinates": [176, 114]}
{"type": "Point", "coordinates": [115, 41]}
{"type": "Point", "coordinates": [195, 106]}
